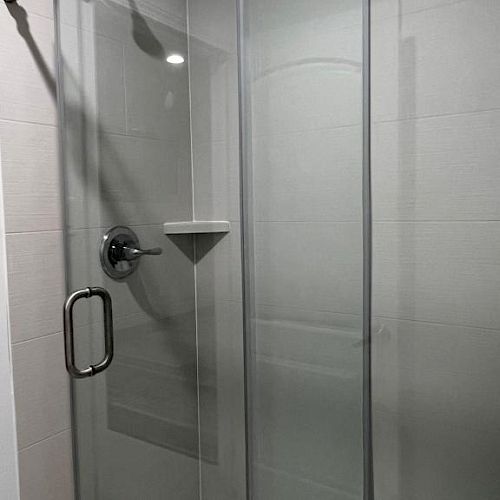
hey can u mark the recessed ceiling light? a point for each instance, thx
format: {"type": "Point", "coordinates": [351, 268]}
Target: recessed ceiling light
{"type": "Point", "coordinates": [175, 59]}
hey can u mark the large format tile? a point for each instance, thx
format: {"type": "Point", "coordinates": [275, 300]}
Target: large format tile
{"type": "Point", "coordinates": [218, 266]}
{"type": "Point", "coordinates": [45, 469]}
{"type": "Point", "coordinates": [31, 179]}
{"type": "Point", "coordinates": [143, 181]}
{"type": "Point", "coordinates": [442, 168]}
{"type": "Point", "coordinates": [438, 372]}
{"type": "Point", "coordinates": [43, 8]}
{"type": "Point", "coordinates": [216, 182]}
{"type": "Point", "coordinates": [431, 459]}
{"type": "Point", "coordinates": [221, 397]}
{"type": "Point", "coordinates": [313, 175]}
{"type": "Point", "coordinates": [214, 94]}
{"type": "Point", "coordinates": [314, 397]}
{"type": "Point", "coordinates": [36, 283]}
{"type": "Point", "coordinates": [305, 76]}
{"type": "Point", "coordinates": [436, 61]}
{"type": "Point", "coordinates": [110, 85]}
{"type": "Point", "coordinates": [27, 81]}
{"type": "Point", "coordinates": [393, 8]}
{"type": "Point", "coordinates": [313, 266]}
{"type": "Point", "coordinates": [439, 272]}
{"type": "Point", "coordinates": [41, 389]}
{"type": "Point", "coordinates": [157, 93]}
{"type": "Point", "coordinates": [283, 14]}
{"type": "Point", "coordinates": [214, 23]}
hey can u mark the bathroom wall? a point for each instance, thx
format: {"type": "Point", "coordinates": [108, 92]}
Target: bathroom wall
{"type": "Point", "coordinates": [33, 222]}
{"type": "Point", "coordinates": [436, 283]}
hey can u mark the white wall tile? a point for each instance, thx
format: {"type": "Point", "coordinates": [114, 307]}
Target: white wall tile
{"type": "Point", "coordinates": [442, 168]}
{"type": "Point", "coordinates": [222, 414]}
{"type": "Point", "coordinates": [394, 8]}
{"type": "Point", "coordinates": [110, 85]}
{"type": "Point", "coordinates": [27, 81]}
{"type": "Point", "coordinates": [142, 181]}
{"type": "Point", "coordinates": [439, 372]}
{"type": "Point", "coordinates": [43, 8]}
{"type": "Point", "coordinates": [46, 469]}
{"type": "Point", "coordinates": [410, 453]}
{"type": "Point", "coordinates": [216, 181]}
{"type": "Point", "coordinates": [440, 272]}
{"type": "Point", "coordinates": [31, 177]}
{"type": "Point", "coordinates": [218, 269]}
{"type": "Point", "coordinates": [36, 283]}
{"type": "Point", "coordinates": [214, 94]}
{"type": "Point", "coordinates": [41, 388]}
{"type": "Point", "coordinates": [436, 61]}
{"type": "Point", "coordinates": [308, 176]}
{"type": "Point", "coordinates": [157, 105]}
{"type": "Point", "coordinates": [314, 266]}
{"type": "Point", "coordinates": [214, 23]}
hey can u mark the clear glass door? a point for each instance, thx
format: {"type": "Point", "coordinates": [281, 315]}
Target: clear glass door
{"type": "Point", "coordinates": [303, 149]}
{"type": "Point", "coordinates": [151, 134]}
{"type": "Point", "coordinates": [126, 156]}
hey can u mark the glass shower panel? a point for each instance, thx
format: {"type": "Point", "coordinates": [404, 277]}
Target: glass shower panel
{"type": "Point", "coordinates": [302, 76]}
{"type": "Point", "coordinates": [126, 156]}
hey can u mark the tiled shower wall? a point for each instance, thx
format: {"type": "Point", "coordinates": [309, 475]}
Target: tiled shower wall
{"type": "Point", "coordinates": [33, 209]}
{"type": "Point", "coordinates": [436, 209]}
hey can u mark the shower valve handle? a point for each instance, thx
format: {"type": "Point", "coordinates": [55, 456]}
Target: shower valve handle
{"type": "Point", "coordinates": [130, 253]}
{"type": "Point", "coordinates": [121, 251]}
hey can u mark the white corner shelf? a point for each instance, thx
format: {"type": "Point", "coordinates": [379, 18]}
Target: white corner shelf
{"type": "Point", "coordinates": [197, 227]}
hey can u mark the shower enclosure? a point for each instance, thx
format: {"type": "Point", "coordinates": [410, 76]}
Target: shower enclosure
{"type": "Point", "coordinates": [230, 359]}
{"type": "Point", "coordinates": [233, 361]}
{"type": "Point", "coordinates": [224, 164]}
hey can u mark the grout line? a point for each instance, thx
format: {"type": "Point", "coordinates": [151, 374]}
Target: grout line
{"type": "Point", "coordinates": [435, 116]}
{"type": "Point", "coordinates": [35, 232]}
{"type": "Point", "coordinates": [24, 448]}
{"type": "Point", "coordinates": [29, 122]}
{"type": "Point", "coordinates": [381, 18]}
{"type": "Point", "coordinates": [436, 323]}
{"type": "Point", "coordinates": [195, 266]}
{"type": "Point", "coordinates": [39, 337]}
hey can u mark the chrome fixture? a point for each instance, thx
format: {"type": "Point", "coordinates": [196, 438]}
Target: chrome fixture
{"type": "Point", "coordinates": [120, 252]}
{"type": "Point", "coordinates": [69, 345]}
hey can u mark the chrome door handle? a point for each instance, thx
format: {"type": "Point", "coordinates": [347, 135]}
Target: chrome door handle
{"type": "Point", "coordinates": [69, 345]}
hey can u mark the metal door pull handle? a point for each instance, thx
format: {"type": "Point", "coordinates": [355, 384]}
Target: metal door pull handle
{"type": "Point", "coordinates": [69, 344]}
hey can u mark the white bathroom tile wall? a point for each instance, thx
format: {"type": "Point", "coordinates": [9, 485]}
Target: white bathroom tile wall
{"type": "Point", "coordinates": [436, 274]}
{"type": "Point", "coordinates": [32, 193]}
{"type": "Point", "coordinates": [41, 388]}
{"type": "Point", "coordinates": [436, 61]}
{"type": "Point", "coordinates": [45, 469]}
{"type": "Point", "coordinates": [36, 283]}
{"type": "Point", "coordinates": [27, 85]}
{"type": "Point", "coordinates": [440, 168]}
{"type": "Point", "coordinates": [308, 176]}
{"type": "Point", "coordinates": [31, 179]}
